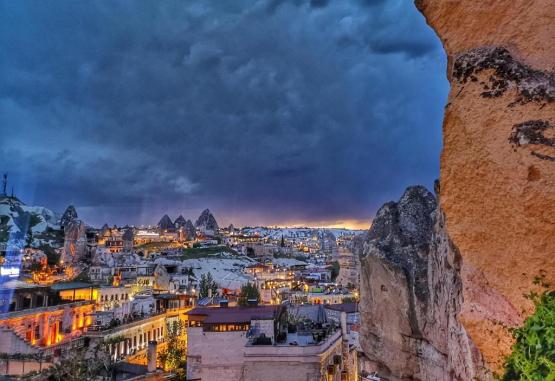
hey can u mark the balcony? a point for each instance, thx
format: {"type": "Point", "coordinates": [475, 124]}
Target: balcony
{"type": "Point", "coordinates": [139, 320]}
{"type": "Point", "coordinates": [40, 310]}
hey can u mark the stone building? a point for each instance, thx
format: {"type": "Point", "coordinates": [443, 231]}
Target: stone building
{"type": "Point", "coordinates": [258, 343]}
{"type": "Point", "coordinates": [127, 239]}
{"type": "Point", "coordinates": [34, 322]}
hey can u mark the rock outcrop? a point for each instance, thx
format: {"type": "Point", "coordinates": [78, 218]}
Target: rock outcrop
{"type": "Point", "coordinates": [22, 224]}
{"type": "Point", "coordinates": [189, 229]}
{"type": "Point", "coordinates": [411, 294]}
{"type": "Point", "coordinates": [206, 223]}
{"type": "Point", "coordinates": [498, 160]}
{"type": "Point", "coordinates": [69, 215]}
{"type": "Point", "coordinates": [75, 242]}
{"type": "Point", "coordinates": [180, 222]}
{"type": "Point", "coordinates": [166, 223]}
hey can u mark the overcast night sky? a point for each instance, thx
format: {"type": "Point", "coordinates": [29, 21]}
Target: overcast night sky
{"type": "Point", "coordinates": [265, 111]}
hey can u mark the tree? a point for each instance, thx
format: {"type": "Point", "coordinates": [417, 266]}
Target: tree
{"type": "Point", "coordinates": [334, 268]}
{"type": "Point", "coordinates": [34, 219]}
{"type": "Point", "coordinates": [35, 267]}
{"type": "Point", "coordinates": [248, 291]}
{"type": "Point", "coordinates": [206, 283]}
{"type": "Point", "coordinates": [25, 222]}
{"type": "Point", "coordinates": [4, 233]}
{"type": "Point", "coordinates": [173, 357]}
{"type": "Point", "coordinates": [82, 365]}
{"type": "Point", "coordinates": [282, 243]}
{"type": "Point", "coordinates": [52, 257]}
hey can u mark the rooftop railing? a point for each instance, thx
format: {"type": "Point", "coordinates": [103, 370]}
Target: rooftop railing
{"type": "Point", "coordinates": [286, 350]}
{"type": "Point", "coordinates": [96, 331]}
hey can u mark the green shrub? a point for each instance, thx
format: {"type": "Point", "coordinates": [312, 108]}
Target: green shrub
{"type": "Point", "coordinates": [533, 356]}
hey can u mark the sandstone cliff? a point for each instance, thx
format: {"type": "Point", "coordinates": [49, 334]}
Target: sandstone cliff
{"type": "Point", "coordinates": [498, 159]}
{"type": "Point", "coordinates": [412, 293]}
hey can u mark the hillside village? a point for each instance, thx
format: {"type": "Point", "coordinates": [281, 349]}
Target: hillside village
{"type": "Point", "coordinates": [138, 293]}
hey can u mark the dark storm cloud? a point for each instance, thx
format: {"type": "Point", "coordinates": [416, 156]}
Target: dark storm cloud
{"type": "Point", "coordinates": [372, 3]}
{"type": "Point", "coordinates": [318, 3]}
{"type": "Point", "coordinates": [265, 111]}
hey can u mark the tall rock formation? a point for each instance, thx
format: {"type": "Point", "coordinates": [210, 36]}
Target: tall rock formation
{"type": "Point", "coordinates": [498, 160]}
{"type": "Point", "coordinates": [179, 222]}
{"type": "Point", "coordinates": [411, 294]}
{"type": "Point", "coordinates": [69, 215]}
{"type": "Point", "coordinates": [189, 229]}
{"type": "Point", "coordinates": [75, 237]}
{"type": "Point", "coordinates": [166, 223]}
{"type": "Point", "coordinates": [75, 242]}
{"type": "Point", "coordinates": [206, 223]}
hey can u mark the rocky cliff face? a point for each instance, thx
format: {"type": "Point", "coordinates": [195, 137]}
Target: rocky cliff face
{"type": "Point", "coordinates": [411, 293]}
{"type": "Point", "coordinates": [498, 160]}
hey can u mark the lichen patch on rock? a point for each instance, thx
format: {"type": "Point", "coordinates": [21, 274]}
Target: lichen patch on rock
{"type": "Point", "coordinates": [532, 132]}
{"type": "Point", "coordinates": [532, 85]}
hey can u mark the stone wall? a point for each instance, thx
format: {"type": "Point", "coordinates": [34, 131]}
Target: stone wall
{"type": "Point", "coordinates": [213, 356]}
{"type": "Point", "coordinates": [277, 363]}
{"type": "Point", "coordinates": [21, 367]}
{"type": "Point", "coordinates": [11, 343]}
{"type": "Point", "coordinates": [286, 370]}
